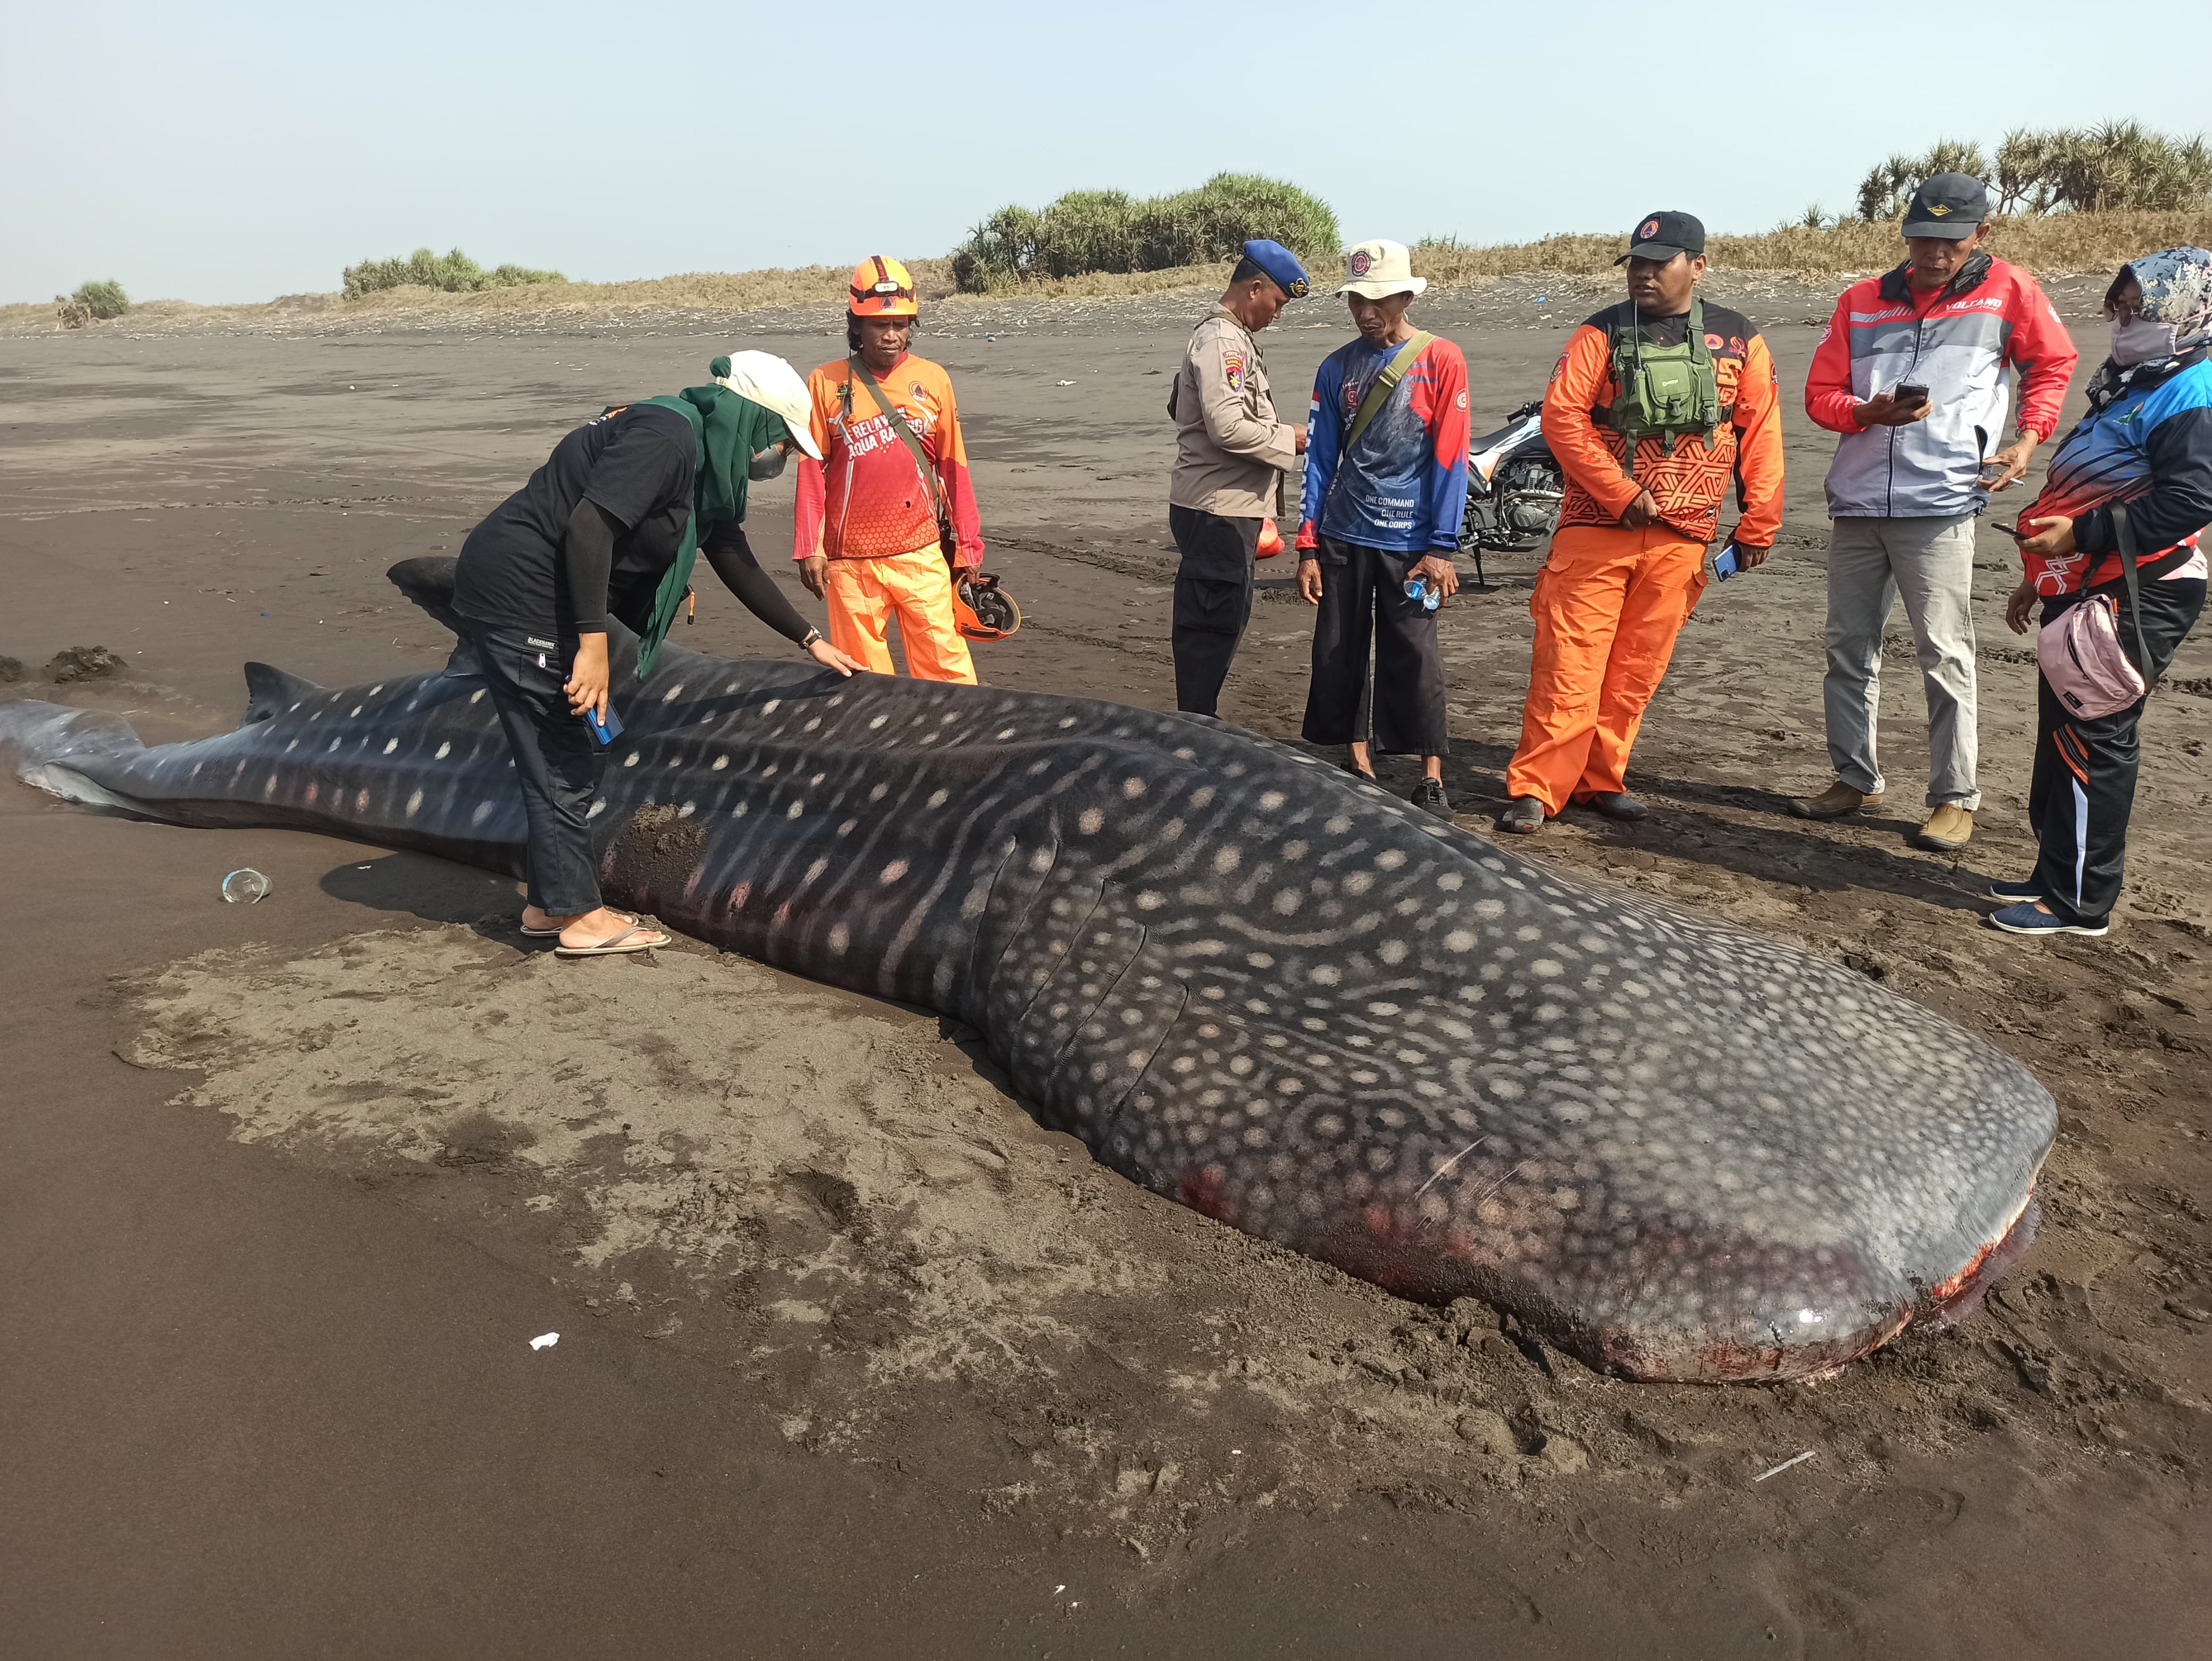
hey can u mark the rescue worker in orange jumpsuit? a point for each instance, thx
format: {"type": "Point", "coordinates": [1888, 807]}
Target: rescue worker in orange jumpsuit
{"type": "Point", "coordinates": [874, 518]}
{"type": "Point", "coordinates": [1627, 565]}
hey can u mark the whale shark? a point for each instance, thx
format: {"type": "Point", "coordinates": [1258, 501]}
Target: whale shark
{"type": "Point", "coordinates": [1663, 1145]}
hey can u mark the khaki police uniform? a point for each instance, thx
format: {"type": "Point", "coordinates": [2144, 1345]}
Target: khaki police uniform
{"type": "Point", "coordinates": [1230, 451]}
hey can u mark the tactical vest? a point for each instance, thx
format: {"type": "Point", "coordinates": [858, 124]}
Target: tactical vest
{"type": "Point", "coordinates": [1663, 391]}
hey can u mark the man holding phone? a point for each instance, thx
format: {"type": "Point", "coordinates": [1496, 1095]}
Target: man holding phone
{"type": "Point", "coordinates": [1912, 372]}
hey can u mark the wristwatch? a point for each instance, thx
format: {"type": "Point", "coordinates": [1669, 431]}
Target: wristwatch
{"type": "Point", "coordinates": [812, 635]}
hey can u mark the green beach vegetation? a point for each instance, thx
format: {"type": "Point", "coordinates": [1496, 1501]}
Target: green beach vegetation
{"type": "Point", "coordinates": [452, 272]}
{"type": "Point", "coordinates": [1088, 233]}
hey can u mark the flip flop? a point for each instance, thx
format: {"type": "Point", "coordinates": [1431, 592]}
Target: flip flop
{"type": "Point", "coordinates": [530, 934]}
{"type": "Point", "coordinates": [636, 938]}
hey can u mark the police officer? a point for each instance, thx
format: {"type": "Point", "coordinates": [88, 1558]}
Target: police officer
{"type": "Point", "coordinates": [1231, 455]}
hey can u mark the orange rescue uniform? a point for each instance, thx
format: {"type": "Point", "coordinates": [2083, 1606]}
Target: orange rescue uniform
{"type": "Point", "coordinates": [867, 506]}
{"type": "Point", "coordinates": [1610, 601]}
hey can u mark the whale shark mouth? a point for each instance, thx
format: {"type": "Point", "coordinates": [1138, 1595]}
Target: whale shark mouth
{"type": "Point", "coordinates": [72, 786]}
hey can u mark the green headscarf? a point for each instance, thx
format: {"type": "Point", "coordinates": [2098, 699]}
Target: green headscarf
{"type": "Point", "coordinates": [728, 431]}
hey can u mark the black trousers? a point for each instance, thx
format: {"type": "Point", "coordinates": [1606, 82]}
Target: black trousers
{"type": "Point", "coordinates": [1398, 706]}
{"type": "Point", "coordinates": [2084, 784]}
{"type": "Point", "coordinates": [1213, 602]}
{"type": "Point", "coordinates": [557, 763]}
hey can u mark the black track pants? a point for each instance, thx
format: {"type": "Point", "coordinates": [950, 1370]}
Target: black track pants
{"type": "Point", "coordinates": [2084, 784]}
{"type": "Point", "coordinates": [1213, 602]}
{"type": "Point", "coordinates": [557, 764]}
{"type": "Point", "coordinates": [1399, 707]}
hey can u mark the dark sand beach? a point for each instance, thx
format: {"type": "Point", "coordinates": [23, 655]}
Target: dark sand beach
{"type": "Point", "coordinates": [854, 1359]}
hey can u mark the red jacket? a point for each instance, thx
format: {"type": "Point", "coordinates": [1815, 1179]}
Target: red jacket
{"type": "Point", "coordinates": [1990, 317]}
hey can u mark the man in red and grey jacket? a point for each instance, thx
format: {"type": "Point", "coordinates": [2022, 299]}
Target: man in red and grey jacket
{"type": "Point", "coordinates": [1911, 372]}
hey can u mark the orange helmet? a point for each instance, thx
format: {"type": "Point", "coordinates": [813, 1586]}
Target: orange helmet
{"type": "Point", "coordinates": [882, 288]}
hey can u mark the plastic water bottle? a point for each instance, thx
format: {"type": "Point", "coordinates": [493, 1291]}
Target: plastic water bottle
{"type": "Point", "coordinates": [244, 887]}
{"type": "Point", "coordinates": [1418, 589]}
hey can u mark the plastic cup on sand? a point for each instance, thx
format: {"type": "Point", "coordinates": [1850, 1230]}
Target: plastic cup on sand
{"type": "Point", "coordinates": [244, 887]}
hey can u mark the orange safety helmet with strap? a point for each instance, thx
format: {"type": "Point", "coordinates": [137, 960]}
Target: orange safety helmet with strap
{"type": "Point", "coordinates": [882, 288]}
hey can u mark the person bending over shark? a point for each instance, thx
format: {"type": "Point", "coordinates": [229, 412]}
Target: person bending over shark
{"type": "Point", "coordinates": [610, 526]}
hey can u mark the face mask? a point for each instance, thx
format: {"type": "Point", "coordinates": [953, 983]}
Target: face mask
{"type": "Point", "coordinates": [2141, 340]}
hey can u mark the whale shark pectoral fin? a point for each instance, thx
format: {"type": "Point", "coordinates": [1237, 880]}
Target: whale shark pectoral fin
{"type": "Point", "coordinates": [429, 581]}
{"type": "Point", "coordinates": [269, 692]}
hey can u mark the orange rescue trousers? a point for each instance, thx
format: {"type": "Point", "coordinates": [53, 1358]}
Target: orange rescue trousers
{"type": "Point", "coordinates": [918, 587]}
{"type": "Point", "coordinates": [1607, 605]}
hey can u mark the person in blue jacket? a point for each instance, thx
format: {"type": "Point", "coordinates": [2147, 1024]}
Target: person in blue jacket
{"type": "Point", "coordinates": [2140, 458]}
{"type": "Point", "coordinates": [1385, 491]}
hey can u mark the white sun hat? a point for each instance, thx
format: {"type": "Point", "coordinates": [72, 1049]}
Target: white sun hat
{"type": "Point", "coordinates": [774, 385]}
{"type": "Point", "coordinates": [1380, 269]}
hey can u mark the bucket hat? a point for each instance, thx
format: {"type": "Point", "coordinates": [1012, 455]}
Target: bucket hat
{"type": "Point", "coordinates": [1378, 269]}
{"type": "Point", "coordinates": [774, 385]}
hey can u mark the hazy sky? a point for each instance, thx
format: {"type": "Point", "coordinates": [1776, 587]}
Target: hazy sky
{"type": "Point", "coordinates": [237, 151]}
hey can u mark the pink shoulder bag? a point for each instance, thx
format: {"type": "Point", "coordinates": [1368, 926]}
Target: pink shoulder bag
{"type": "Point", "coordinates": [2080, 653]}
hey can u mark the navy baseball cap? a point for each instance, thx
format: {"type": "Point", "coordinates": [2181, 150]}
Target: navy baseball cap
{"type": "Point", "coordinates": [1279, 263]}
{"type": "Point", "coordinates": [1663, 234]}
{"type": "Point", "coordinates": [1948, 205]}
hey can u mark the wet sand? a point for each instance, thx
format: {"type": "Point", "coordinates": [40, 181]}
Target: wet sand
{"type": "Point", "coordinates": [856, 1358]}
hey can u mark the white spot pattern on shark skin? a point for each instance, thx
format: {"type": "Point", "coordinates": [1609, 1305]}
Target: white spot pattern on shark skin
{"type": "Point", "coordinates": [482, 812]}
{"type": "Point", "coordinates": [390, 745]}
{"type": "Point", "coordinates": [414, 803]}
{"type": "Point", "coordinates": [444, 751]}
{"type": "Point", "coordinates": [595, 810]}
{"type": "Point", "coordinates": [1090, 821]}
{"type": "Point", "coordinates": [721, 762]}
{"type": "Point", "coordinates": [631, 759]}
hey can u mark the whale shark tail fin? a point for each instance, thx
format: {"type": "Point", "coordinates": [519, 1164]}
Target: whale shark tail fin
{"type": "Point", "coordinates": [271, 691]}
{"type": "Point", "coordinates": [429, 581]}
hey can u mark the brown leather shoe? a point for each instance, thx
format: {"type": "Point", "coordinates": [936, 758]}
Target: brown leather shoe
{"type": "Point", "coordinates": [1832, 803]}
{"type": "Point", "coordinates": [1949, 827]}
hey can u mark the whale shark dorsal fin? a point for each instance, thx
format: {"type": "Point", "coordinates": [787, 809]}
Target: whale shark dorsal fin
{"type": "Point", "coordinates": [271, 691]}
{"type": "Point", "coordinates": [429, 581]}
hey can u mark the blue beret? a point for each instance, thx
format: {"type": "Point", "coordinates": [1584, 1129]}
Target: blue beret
{"type": "Point", "coordinates": [1280, 264]}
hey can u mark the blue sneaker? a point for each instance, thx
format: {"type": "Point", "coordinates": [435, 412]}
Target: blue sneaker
{"type": "Point", "coordinates": [2032, 919]}
{"type": "Point", "coordinates": [2012, 893]}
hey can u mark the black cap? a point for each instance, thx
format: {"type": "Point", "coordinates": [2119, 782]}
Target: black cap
{"type": "Point", "coordinates": [1949, 204]}
{"type": "Point", "coordinates": [1662, 235]}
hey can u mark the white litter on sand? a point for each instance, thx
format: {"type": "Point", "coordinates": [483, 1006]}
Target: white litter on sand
{"type": "Point", "coordinates": [545, 1340]}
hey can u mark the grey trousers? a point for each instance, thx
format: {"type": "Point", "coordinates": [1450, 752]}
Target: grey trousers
{"type": "Point", "coordinates": [1930, 562]}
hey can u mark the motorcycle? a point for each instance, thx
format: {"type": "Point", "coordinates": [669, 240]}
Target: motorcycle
{"type": "Point", "coordinates": [1514, 488]}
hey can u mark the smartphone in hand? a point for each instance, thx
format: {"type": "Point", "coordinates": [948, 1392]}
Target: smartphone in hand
{"type": "Point", "coordinates": [607, 731]}
{"type": "Point", "coordinates": [1726, 564]}
{"type": "Point", "coordinates": [1908, 396]}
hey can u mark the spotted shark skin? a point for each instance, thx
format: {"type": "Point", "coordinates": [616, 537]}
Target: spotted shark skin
{"type": "Point", "coordinates": [1669, 1147]}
